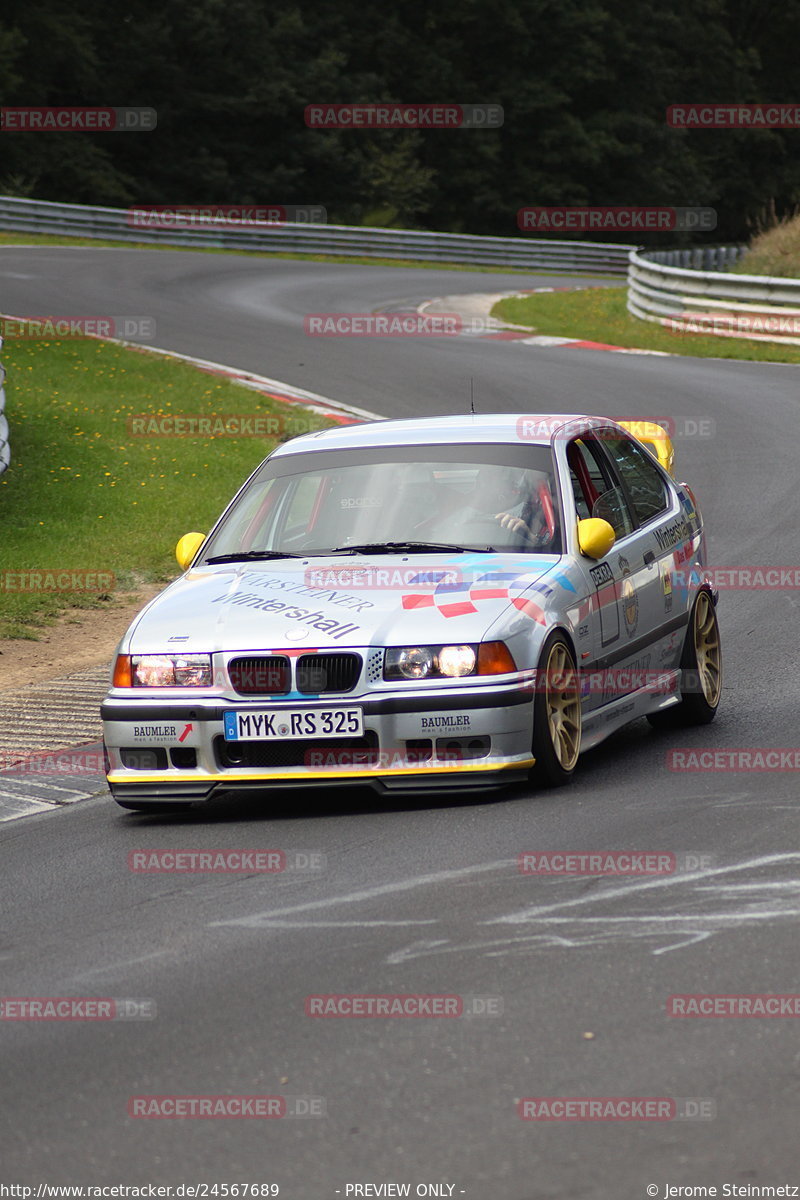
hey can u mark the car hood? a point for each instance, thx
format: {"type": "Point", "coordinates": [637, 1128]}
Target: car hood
{"type": "Point", "coordinates": [339, 602]}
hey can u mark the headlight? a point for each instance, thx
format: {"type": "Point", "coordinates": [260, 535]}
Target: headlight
{"type": "Point", "coordinates": [164, 670]}
{"type": "Point", "coordinates": [455, 661]}
{"type": "Point", "coordinates": [428, 662]}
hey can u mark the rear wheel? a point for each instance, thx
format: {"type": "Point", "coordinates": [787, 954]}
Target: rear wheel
{"type": "Point", "coordinates": [556, 715]}
{"type": "Point", "coordinates": [701, 671]}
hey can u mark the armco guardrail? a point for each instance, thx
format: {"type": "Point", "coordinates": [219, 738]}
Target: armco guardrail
{"type": "Point", "coordinates": [5, 448]}
{"type": "Point", "coordinates": [77, 220]}
{"type": "Point", "coordinates": [689, 291]}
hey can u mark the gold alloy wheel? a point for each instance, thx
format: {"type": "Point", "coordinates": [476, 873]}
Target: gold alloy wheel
{"type": "Point", "coordinates": [563, 706]}
{"type": "Point", "coordinates": [707, 650]}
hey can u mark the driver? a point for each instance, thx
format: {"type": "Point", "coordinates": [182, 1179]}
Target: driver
{"type": "Point", "coordinates": [499, 494]}
{"type": "Point", "coordinates": [502, 492]}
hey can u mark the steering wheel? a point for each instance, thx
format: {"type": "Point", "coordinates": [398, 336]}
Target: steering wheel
{"type": "Point", "coordinates": [535, 541]}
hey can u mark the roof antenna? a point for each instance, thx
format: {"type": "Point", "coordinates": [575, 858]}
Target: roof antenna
{"type": "Point", "coordinates": [472, 395]}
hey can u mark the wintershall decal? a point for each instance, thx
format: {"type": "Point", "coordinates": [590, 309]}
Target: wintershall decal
{"type": "Point", "coordinates": [328, 595]}
{"type": "Point", "coordinates": [317, 620]}
{"type": "Point", "coordinates": [671, 535]}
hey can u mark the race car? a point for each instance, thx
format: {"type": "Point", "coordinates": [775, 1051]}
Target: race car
{"type": "Point", "coordinates": [445, 604]}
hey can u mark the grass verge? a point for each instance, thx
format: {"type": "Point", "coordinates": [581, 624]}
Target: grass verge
{"type": "Point", "coordinates": [86, 493]}
{"type": "Point", "coordinates": [600, 315]}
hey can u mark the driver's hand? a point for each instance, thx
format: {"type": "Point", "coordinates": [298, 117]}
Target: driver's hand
{"type": "Point", "coordinates": [515, 524]}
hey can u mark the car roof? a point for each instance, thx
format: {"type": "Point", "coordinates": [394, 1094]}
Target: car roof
{"type": "Point", "coordinates": [536, 428]}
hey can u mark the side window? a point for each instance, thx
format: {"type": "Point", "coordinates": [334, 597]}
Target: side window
{"type": "Point", "coordinates": [594, 489]}
{"type": "Point", "coordinates": [645, 484]}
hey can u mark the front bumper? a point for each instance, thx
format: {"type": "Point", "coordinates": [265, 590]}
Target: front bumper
{"type": "Point", "coordinates": [444, 739]}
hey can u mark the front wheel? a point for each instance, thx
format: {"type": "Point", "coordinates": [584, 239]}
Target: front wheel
{"type": "Point", "coordinates": [701, 671]}
{"type": "Point", "coordinates": [556, 715]}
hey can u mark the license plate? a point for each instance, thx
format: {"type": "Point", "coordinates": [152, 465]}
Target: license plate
{"type": "Point", "coordinates": [287, 724]}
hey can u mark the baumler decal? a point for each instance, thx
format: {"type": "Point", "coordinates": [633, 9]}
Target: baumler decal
{"type": "Point", "coordinates": [450, 721]}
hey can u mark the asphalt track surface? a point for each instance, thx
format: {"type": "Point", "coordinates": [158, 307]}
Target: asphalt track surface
{"type": "Point", "coordinates": [425, 896]}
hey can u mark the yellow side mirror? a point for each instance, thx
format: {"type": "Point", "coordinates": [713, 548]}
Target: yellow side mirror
{"type": "Point", "coordinates": [655, 438]}
{"type": "Point", "coordinates": [187, 547]}
{"type": "Point", "coordinates": [595, 537]}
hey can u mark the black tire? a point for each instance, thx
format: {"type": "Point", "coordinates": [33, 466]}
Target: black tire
{"type": "Point", "coordinates": [556, 715]}
{"type": "Point", "coordinates": [701, 671]}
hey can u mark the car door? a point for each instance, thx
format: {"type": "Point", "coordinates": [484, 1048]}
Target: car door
{"type": "Point", "coordinates": [657, 513]}
{"type": "Point", "coordinates": [623, 587]}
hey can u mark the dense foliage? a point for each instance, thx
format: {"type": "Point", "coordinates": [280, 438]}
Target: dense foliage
{"type": "Point", "coordinates": [585, 85]}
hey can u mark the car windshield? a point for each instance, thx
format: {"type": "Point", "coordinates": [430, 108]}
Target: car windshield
{"type": "Point", "coordinates": [408, 499]}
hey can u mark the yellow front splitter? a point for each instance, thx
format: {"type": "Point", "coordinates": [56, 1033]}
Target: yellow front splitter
{"type": "Point", "coordinates": [291, 774]}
